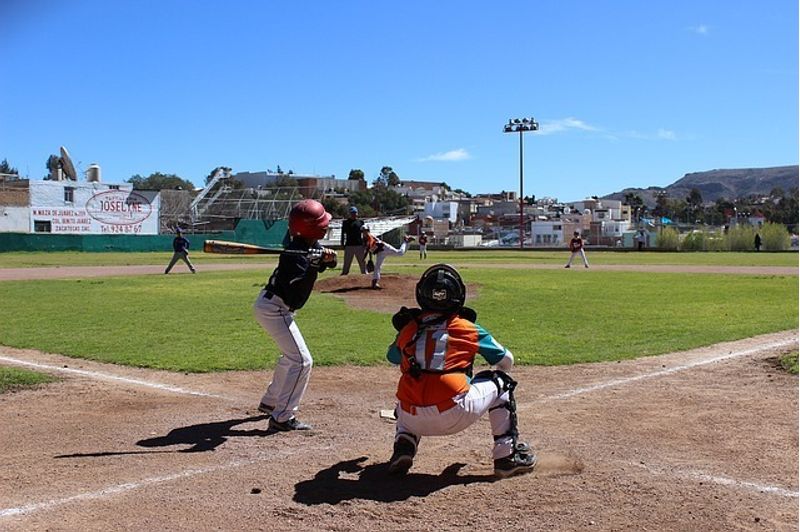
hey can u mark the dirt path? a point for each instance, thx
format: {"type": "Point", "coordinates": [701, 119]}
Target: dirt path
{"type": "Point", "coordinates": [699, 440]}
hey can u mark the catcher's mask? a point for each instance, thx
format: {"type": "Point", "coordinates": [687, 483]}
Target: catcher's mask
{"type": "Point", "coordinates": [308, 219]}
{"type": "Point", "coordinates": [440, 289]}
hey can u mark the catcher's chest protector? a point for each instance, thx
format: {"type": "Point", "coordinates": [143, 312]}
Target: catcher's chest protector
{"type": "Point", "coordinates": [444, 352]}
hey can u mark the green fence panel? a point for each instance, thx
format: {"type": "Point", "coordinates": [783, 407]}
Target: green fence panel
{"type": "Point", "coordinates": [258, 232]}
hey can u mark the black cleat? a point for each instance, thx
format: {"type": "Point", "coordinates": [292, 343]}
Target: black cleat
{"type": "Point", "coordinates": [521, 460]}
{"type": "Point", "coordinates": [402, 458]}
{"type": "Point", "coordinates": [290, 424]}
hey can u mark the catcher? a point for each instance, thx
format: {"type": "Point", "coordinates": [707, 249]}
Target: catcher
{"type": "Point", "coordinates": [287, 290]}
{"type": "Point", "coordinates": [436, 347]}
{"type": "Point", "coordinates": [380, 249]}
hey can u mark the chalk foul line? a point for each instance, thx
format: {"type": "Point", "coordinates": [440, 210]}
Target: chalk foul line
{"type": "Point", "coordinates": [110, 377]}
{"type": "Point", "coordinates": [668, 371]}
{"type": "Point", "coordinates": [720, 479]}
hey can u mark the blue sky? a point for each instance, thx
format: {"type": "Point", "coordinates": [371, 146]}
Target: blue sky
{"type": "Point", "coordinates": [627, 92]}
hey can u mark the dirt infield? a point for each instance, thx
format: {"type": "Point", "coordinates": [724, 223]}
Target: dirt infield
{"type": "Point", "coordinates": [700, 440]}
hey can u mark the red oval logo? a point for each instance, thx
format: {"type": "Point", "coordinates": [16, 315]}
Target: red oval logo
{"type": "Point", "coordinates": [119, 207]}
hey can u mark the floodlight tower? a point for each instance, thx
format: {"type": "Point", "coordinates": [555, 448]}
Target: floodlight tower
{"type": "Point", "coordinates": [521, 125]}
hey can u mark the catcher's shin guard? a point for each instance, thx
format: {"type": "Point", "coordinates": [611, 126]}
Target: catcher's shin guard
{"type": "Point", "coordinates": [504, 383]}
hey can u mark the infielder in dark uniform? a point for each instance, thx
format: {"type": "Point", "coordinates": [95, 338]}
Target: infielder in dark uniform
{"type": "Point", "coordinates": [353, 242]}
{"type": "Point", "coordinates": [576, 247]}
{"type": "Point", "coordinates": [287, 290]}
{"type": "Point", "coordinates": [180, 248]}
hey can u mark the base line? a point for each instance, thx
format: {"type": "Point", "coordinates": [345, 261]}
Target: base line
{"type": "Point", "coordinates": [111, 377]}
{"type": "Point", "coordinates": [660, 373]}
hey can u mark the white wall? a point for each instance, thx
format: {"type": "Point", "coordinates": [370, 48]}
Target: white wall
{"type": "Point", "coordinates": [95, 208]}
{"type": "Point", "coordinates": [442, 210]}
{"type": "Point", "coordinates": [15, 219]}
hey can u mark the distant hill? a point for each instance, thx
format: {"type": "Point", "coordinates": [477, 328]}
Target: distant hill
{"type": "Point", "coordinates": [715, 184]}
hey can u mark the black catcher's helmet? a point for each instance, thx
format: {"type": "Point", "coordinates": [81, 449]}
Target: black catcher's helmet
{"type": "Point", "coordinates": [440, 289]}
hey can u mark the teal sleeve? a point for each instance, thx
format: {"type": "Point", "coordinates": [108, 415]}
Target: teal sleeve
{"type": "Point", "coordinates": [488, 347]}
{"type": "Point", "coordinates": [393, 355]}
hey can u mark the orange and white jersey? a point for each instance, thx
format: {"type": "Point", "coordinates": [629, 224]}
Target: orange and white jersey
{"type": "Point", "coordinates": [444, 349]}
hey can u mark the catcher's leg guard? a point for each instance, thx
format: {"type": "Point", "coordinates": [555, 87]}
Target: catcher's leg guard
{"type": "Point", "coordinates": [519, 458]}
{"type": "Point", "coordinates": [504, 383]}
{"type": "Point", "coordinates": [405, 447]}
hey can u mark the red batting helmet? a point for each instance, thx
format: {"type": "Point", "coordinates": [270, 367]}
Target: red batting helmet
{"type": "Point", "coordinates": [308, 219]}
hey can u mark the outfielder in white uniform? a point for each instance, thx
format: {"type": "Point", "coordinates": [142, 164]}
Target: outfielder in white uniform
{"type": "Point", "coordinates": [436, 347]}
{"type": "Point", "coordinates": [288, 290]}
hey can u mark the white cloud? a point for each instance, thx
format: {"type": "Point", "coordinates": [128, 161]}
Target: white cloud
{"type": "Point", "coordinates": [549, 127]}
{"type": "Point", "coordinates": [701, 29]}
{"type": "Point", "coordinates": [660, 134]}
{"type": "Point", "coordinates": [453, 155]}
{"type": "Point", "coordinates": [665, 134]}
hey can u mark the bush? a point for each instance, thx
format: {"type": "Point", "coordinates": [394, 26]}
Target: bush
{"type": "Point", "coordinates": [694, 241]}
{"type": "Point", "coordinates": [667, 239]}
{"type": "Point", "coordinates": [717, 242]}
{"type": "Point", "coordinates": [741, 237]}
{"type": "Point", "coordinates": [775, 237]}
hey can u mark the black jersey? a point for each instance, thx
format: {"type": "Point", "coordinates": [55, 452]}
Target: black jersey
{"type": "Point", "coordinates": [296, 274]}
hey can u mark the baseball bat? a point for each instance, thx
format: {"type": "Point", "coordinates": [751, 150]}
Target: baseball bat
{"type": "Point", "coordinates": [238, 248]}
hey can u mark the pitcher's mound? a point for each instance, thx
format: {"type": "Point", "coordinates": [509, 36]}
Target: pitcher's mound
{"type": "Point", "coordinates": [396, 291]}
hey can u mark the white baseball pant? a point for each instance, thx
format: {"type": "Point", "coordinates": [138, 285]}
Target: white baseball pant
{"type": "Point", "coordinates": [293, 370]}
{"type": "Point", "coordinates": [576, 253]}
{"type": "Point", "coordinates": [470, 406]}
{"type": "Point", "coordinates": [387, 250]}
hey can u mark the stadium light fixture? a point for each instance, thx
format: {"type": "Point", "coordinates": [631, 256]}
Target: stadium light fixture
{"type": "Point", "coordinates": [521, 125]}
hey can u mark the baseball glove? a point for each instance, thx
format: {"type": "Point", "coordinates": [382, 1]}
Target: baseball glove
{"type": "Point", "coordinates": [370, 265]}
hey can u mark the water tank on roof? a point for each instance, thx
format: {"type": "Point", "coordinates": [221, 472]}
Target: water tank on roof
{"type": "Point", "coordinates": [93, 174]}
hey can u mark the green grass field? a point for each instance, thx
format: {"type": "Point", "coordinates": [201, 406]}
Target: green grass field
{"type": "Point", "coordinates": [75, 258]}
{"type": "Point", "coordinates": [205, 322]}
{"type": "Point", "coordinates": [15, 379]}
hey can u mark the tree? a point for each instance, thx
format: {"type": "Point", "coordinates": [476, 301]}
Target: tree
{"type": "Point", "coordinates": [52, 164]}
{"type": "Point", "coordinates": [387, 178]}
{"type": "Point", "coordinates": [634, 200]}
{"type": "Point", "coordinates": [695, 198]}
{"type": "Point", "coordinates": [662, 204]}
{"type": "Point", "coordinates": [6, 168]}
{"type": "Point", "coordinates": [211, 174]}
{"type": "Point", "coordinates": [356, 174]}
{"type": "Point", "coordinates": [159, 181]}
{"type": "Point", "coordinates": [285, 180]}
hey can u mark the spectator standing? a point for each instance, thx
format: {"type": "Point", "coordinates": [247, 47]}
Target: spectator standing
{"type": "Point", "coordinates": [641, 239]}
{"type": "Point", "coordinates": [353, 241]}
{"type": "Point", "coordinates": [757, 242]}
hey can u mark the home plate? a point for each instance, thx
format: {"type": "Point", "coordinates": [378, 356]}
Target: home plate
{"type": "Point", "coordinates": [388, 415]}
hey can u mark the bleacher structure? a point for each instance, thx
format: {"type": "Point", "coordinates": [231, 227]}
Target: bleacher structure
{"type": "Point", "coordinates": [377, 226]}
{"type": "Point", "coordinates": [224, 202]}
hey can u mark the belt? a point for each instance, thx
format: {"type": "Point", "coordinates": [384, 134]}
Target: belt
{"type": "Point", "coordinates": [268, 294]}
{"type": "Point", "coordinates": [443, 406]}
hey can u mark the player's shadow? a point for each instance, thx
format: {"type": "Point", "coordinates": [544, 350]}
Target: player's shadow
{"type": "Point", "coordinates": [346, 289]}
{"type": "Point", "coordinates": [205, 436]}
{"type": "Point", "coordinates": [202, 437]}
{"type": "Point", "coordinates": [373, 482]}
